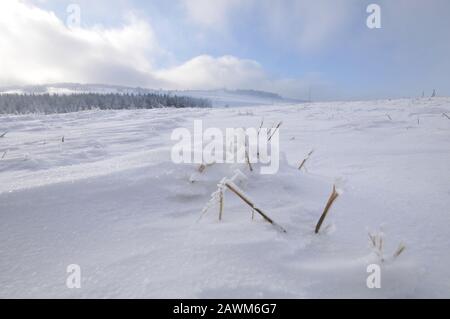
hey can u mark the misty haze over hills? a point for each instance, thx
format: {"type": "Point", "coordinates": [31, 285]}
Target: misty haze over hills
{"type": "Point", "coordinates": [217, 98]}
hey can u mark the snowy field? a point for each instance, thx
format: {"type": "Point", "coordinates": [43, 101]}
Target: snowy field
{"type": "Point", "coordinates": [109, 199]}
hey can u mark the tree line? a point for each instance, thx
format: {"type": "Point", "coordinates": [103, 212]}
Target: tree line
{"type": "Point", "coordinates": [53, 103]}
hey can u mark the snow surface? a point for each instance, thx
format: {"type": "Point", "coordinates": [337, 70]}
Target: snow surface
{"type": "Point", "coordinates": [110, 200]}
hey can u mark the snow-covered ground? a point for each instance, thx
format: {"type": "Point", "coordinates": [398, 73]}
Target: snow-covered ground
{"type": "Point", "coordinates": [110, 200]}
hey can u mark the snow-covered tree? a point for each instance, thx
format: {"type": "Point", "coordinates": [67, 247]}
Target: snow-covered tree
{"type": "Point", "coordinates": [47, 103]}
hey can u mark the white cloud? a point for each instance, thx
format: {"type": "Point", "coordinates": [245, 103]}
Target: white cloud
{"type": "Point", "coordinates": [212, 13]}
{"type": "Point", "coordinates": [206, 72]}
{"type": "Point", "coordinates": [306, 25]}
{"type": "Point", "coordinates": [37, 47]}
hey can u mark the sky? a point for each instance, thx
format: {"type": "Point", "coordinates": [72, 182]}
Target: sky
{"type": "Point", "coordinates": [291, 47]}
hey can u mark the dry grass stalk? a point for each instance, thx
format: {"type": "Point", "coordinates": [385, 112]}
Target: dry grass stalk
{"type": "Point", "coordinates": [202, 167]}
{"type": "Point", "coordinates": [275, 130]}
{"type": "Point", "coordinates": [444, 114]}
{"type": "Point", "coordinates": [332, 198]}
{"type": "Point", "coordinates": [399, 250]}
{"type": "Point", "coordinates": [377, 242]}
{"type": "Point", "coordinates": [260, 126]}
{"type": "Point", "coordinates": [257, 136]}
{"type": "Point", "coordinates": [305, 159]}
{"type": "Point", "coordinates": [247, 159]}
{"type": "Point", "coordinates": [303, 163]}
{"type": "Point", "coordinates": [235, 189]}
{"type": "Point", "coordinates": [380, 244]}
{"type": "Point", "coordinates": [372, 240]}
{"type": "Point", "coordinates": [220, 205]}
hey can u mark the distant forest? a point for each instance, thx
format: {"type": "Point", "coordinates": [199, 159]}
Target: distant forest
{"type": "Point", "coordinates": [52, 103]}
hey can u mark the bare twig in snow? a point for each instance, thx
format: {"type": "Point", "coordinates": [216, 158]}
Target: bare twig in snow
{"type": "Point", "coordinates": [3, 135]}
{"type": "Point", "coordinates": [332, 198]}
{"type": "Point", "coordinates": [445, 114]}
